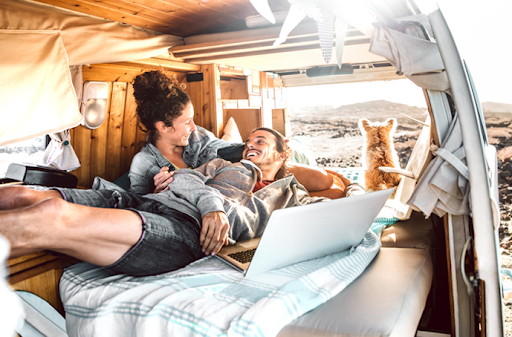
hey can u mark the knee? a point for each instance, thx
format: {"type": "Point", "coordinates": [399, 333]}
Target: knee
{"type": "Point", "coordinates": [51, 209]}
{"type": "Point", "coordinates": [21, 196]}
{"type": "Point", "coordinates": [51, 204]}
{"type": "Point", "coordinates": [12, 197]}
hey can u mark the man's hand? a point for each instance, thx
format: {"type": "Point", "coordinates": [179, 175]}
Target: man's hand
{"type": "Point", "coordinates": [214, 232]}
{"type": "Point", "coordinates": [162, 179]}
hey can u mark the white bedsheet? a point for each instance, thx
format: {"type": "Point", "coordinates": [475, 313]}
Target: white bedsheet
{"type": "Point", "coordinates": [206, 298]}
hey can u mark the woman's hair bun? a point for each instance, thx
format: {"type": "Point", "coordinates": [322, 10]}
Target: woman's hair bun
{"type": "Point", "coordinates": [158, 98]}
{"type": "Point", "coordinates": [151, 86]}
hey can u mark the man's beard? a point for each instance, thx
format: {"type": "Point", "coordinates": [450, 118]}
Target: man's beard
{"type": "Point", "coordinates": [264, 163]}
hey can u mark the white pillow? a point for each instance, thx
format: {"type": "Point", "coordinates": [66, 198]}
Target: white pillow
{"type": "Point", "coordinates": [231, 132]}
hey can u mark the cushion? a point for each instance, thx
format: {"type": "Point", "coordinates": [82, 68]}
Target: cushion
{"type": "Point", "coordinates": [417, 232]}
{"type": "Point", "coordinates": [301, 153]}
{"type": "Point", "coordinates": [231, 132]}
{"type": "Point", "coordinates": [386, 300]}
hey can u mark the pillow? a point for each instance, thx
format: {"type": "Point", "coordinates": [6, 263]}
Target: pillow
{"type": "Point", "coordinates": [231, 132]}
{"type": "Point", "coordinates": [301, 153]}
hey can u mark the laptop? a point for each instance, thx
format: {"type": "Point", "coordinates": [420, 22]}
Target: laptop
{"type": "Point", "coordinates": [306, 232]}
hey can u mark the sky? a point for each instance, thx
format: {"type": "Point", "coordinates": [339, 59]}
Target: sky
{"type": "Point", "coordinates": [483, 37]}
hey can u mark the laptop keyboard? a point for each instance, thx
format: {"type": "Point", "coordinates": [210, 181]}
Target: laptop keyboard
{"type": "Point", "coordinates": [243, 256]}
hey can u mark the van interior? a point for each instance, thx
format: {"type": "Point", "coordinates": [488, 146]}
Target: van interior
{"type": "Point", "coordinates": [237, 59]}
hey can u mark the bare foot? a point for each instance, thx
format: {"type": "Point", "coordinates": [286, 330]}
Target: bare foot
{"type": "Point", "coordinates": [28, 229]}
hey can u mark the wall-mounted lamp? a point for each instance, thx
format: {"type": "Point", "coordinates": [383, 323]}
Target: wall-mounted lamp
{"type": "Point", "coordinates": [94, 106]}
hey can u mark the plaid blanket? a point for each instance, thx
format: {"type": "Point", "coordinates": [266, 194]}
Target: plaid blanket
{"type": "Point", "coordinates": [206, 298]}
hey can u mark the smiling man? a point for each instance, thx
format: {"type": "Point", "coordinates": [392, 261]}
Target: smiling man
{"type": "Point", "coordinates": [218, 203]}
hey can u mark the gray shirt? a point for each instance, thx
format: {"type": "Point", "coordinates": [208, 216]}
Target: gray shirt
{"type": "Point", "coordinates": [202, 147]}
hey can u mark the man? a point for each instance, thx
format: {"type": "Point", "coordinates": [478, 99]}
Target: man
{"type": "Point", "coordinates": [205, 208]}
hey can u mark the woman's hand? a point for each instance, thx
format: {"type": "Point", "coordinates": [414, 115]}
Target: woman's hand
{"type": "Point", "coordinates": [214, 232]}
{"type": "Point", "coordinates": [162, 179]}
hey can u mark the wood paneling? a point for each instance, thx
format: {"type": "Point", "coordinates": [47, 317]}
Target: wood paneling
{"type": "Point", "coordinates": [110, 73]}
{"type": "Point", "coordinates": [39, 274]}
{"type": "Point", "coordinates": [210, 94]}
{"type": "Point", "coordinates": [176, 17]}
{"type": "Point", "coordinates": [99, 144]}
{"type": "Point", "coordinates": [246, 120]}
{"type": "Point", "coordinates": [267, 105]}
{"type": "Point", "coordinates": [115, 131]}
{"type": "Point", "coordinates": [199, 104]}
{"type": "Point", "coordinates": [233, 89]}
{"type": "Point", "coordinates": [107, 151]}
{"type": "Point", "coordinates": [129, 131]}
{"type": "Point", "coordinates": [82, 138]}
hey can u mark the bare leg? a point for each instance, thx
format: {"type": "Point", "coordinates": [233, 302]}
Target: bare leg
{"type": "Point", "coordinates": [12, 197]}
{"type": "Point", "coordinates": [97, 235]}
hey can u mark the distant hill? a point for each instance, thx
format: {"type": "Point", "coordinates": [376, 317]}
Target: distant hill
{"type": "Point", "coordinates": [381, 105]}
{"type": "Point", "coordinates": [493, 108]}
{"type": "Point", "coordinates": [371, 109]}
{"type": "Point", "coordinates": [382, 108]}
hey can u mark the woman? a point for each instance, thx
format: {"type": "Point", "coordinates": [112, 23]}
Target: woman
{"type": "Point", "coordinates": [174, 142]}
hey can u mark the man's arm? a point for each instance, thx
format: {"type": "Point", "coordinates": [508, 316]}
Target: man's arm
{"type": "Point", "coordinates": [320, 182]}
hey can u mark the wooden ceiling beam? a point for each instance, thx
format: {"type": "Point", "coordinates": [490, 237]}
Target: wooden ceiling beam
{"type": "Point", "coordinates": [165, 64]}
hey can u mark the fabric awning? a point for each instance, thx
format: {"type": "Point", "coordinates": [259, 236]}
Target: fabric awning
{"type": "Point", "coordinates": [39, 44]}
{"type": "Point", "coordinates": [36, 92]}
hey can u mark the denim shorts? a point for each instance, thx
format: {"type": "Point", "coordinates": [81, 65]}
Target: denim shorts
{"type": "Point", "coordinates": [169, 240]}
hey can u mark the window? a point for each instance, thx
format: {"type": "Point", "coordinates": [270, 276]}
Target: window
{"type": "Point", "coordinates": [28, 151]}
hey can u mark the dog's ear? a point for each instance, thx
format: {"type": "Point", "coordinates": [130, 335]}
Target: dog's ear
{"type": "Point", "coordinates": [364, 124]}
{"type": "Point", "coordinates": [390, 124]}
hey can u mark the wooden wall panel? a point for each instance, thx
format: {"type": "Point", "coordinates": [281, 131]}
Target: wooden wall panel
{"type": "Point", "coordinates": [247, 120]}
{"type": "Point", "coordinates": [129, 131]}
{"type": "Point", "coordinates": [115, 131]}
{"type": "Point", "coordinates": [266, 109]}
{"type": "Point", "coordinates": [209, 95]}
{"type": "Point", "coordinates": [38, 273]}
{"type": "Point", "coordinates": [82, 146]}
{"type": "Point", "coordinates": [99, 145]}
{"type": "Point", "coordinates": [196, 96]}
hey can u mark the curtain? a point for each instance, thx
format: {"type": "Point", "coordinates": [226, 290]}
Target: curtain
{"type": "Point", "coordinates": [39, 44]}
{"type": "Point", "coordinates": [444, 187]}
{"type": "Point", "coordinates": [36, 91]}
{"type": "Point", "coordinates": [411, 53]}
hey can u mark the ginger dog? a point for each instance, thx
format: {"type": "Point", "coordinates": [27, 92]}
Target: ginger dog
{"type": "Point", "coordinates": [379, 151]}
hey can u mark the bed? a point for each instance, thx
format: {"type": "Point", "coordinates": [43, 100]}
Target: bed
{"type": "Point", "coordinates": [366, 291]}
